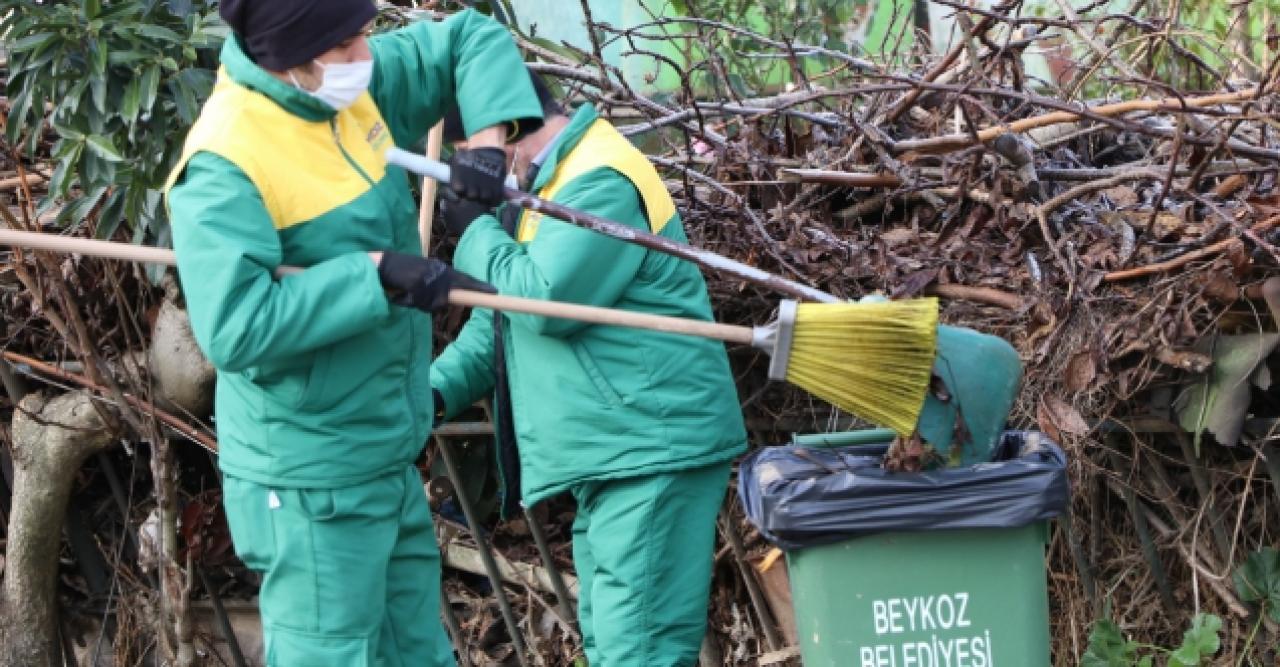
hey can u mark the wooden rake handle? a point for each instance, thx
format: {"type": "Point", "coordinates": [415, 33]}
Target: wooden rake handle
{"type": "Point", "coordinates": [569, 311]}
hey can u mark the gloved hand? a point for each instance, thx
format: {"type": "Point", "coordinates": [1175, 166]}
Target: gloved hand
{"type": "Point", "coordinates": [437, 403]}
{"type": "Point", "coordinates": [477, 174]}
{"type": "Point", "coordinates": [459, 213]}
{"type": "Point", "coordinates": [423, 282]}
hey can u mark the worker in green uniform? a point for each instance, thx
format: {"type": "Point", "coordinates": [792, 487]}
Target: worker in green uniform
{"type": "Point", "coordinates": [638, 426]}
{"type": "Point", "coordinates": [323, 399]}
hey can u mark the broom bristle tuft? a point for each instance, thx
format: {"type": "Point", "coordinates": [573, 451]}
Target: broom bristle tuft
{"type": "Point", "coordinates": [873, 360]}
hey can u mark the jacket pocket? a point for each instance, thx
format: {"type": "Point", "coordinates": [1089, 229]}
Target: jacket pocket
{"type": "Point", "coordinates": [285, 382]}
{"type": "Point", "coordinates": [598, 378]}
{"type": "Point", "coordinates": [364, 371]}
{"type": "Point", "coordinates": [287, 646]}
{"type": "Point", "coordinates": [318, 504]}
{"type": "Point", "coordinates": [313, 388]}
{"type": "Point", "coordinates": [250, 521]}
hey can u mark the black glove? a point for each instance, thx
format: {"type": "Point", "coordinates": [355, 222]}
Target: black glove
{"type": "Point", "coordinates": [437, 405]}
{"type": "Point", "coordinates": [423, 282]}
{"type": "Point", "coordinates": [478, 174]}
{"type": "Point", "coordinates": [459, 213]}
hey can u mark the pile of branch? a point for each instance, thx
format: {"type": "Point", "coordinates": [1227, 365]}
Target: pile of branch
{"type": "Point", "coordinates": [1122, 242]}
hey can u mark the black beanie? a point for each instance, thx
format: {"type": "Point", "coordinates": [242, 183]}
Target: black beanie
{"type": "Point", "coordinates": [281, 34]}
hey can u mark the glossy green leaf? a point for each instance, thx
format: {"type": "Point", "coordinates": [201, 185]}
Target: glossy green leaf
{"type": "Point", "coordinates": [98, 93]}
{"type": "Point", "coordinates": [126, 57]}
{"type": "Point", "coordinates": [112, 215]}
{"type": "Point", "coordinates": [66, 148]}
{"type": "Point", "coordinates": [17, 119]}
{"type": "Point", "coordinates": [41, 56]}
{"type": "Point", "coordinates": [1257, 580]}
{"type": "Point", "coordinates": [32, 41]}
{"type": "Point", "coordinates": [184, 99]}
{"type": "Point", "coordinates": [181, 8]}
{"type": "Point", "coordinates": [132, 100]}
{"type": "Point", "coordinates": [1108, 647]}
{"type": "Point", "coordinates": [121, 11]}
{"type": "Point", "coordinates": [1200, 643]}
{"type": "Point", "coordinates": [98, 52]}
{"type": "Point", "coordinates": [67, 130]}
{"type": "Point", "coordinates": [77, 210]}
{"type": "Point", "coordinates": [91, 8]}
{"type": "Point", "coordinates": [200, 81]}
{"type": "Point", "coordinates": [95, 169]}
{"type": "Point", "coordinates": [104, 148]}
{"type": "Point", "coordinates": [160, 33]}
{"type": "Point", "coordinates": [64, 172]}
{"type": "Point", "coordinates": [149, 87]}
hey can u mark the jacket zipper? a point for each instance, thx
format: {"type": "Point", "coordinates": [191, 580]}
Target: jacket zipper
{"type": "Point", "coordinates": [413, 336]}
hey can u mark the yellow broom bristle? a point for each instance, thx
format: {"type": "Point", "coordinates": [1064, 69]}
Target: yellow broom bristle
{"type": "Point", "coordinates": [873, 360]}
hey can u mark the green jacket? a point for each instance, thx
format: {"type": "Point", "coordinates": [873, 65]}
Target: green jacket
{"type": "Point", "coordinates": [595, 402]}
{"type": "Point", "coordinates": [322, 383]}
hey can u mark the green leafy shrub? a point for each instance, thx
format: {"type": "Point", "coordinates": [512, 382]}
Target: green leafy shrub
{"type": "Point", "coordinates": [119, 83]}
{"type": "Point", "coordinates": [1108, 647]}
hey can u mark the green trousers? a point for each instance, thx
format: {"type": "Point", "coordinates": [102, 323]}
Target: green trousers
{"type": "Point", "coordinates": [351, 576]}
{"type": "Point", "coordinates": [642, 548]}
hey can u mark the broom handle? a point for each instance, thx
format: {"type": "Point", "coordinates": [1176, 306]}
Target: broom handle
{"type": "Point", "coordinates": [571, 311]}
{"type": "Point", "coordinates": [704, 258]}
{"type": "Point", "coordinates": [427, 210]}
{"type": "Point", "coordinates": [71, 244]}
{"type": "Point", "coordinates": [728, 333]}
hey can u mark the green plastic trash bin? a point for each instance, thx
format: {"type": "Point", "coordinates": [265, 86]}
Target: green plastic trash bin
{"type": "Point", "coordinates": [974, 598]}
{"type": "Point", "coordinates": [948, 598]}
{"type": "Point", "coordinates": [942, 568]}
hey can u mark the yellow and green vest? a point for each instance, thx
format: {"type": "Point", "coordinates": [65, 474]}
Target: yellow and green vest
{"type": "Point", "coordinates": [321, 382]}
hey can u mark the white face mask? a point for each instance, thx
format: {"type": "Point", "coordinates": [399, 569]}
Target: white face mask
{"type": "Point", "coordinates": [342, 83]}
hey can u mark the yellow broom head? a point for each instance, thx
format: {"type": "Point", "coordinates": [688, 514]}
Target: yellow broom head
{"type": "Point", "coordinates": [871, 359]}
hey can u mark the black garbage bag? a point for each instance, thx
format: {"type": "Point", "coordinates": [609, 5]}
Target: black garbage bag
{"type": "Point", "coordinates": [802, 496]}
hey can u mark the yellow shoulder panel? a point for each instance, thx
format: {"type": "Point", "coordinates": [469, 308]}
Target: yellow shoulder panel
{"type": "Point", "coordinates": [302, 169]}
{"type": "Point", "coordinates": [604, 146]}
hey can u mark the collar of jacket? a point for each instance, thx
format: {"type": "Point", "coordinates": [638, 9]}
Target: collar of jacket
{"type": "Point", "coordinates": [569, 137]}
{"type": "Point", "coordinates": [241, 69]}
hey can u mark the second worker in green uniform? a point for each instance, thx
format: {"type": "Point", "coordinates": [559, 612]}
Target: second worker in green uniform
{"type": "Point", "coordinates": [639, 426]}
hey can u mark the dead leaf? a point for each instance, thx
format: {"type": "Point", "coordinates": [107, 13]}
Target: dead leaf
{"type": "Point", "coordinates": [914, 283]}
{"type": "Point", "coordinates": [1230, 185]}
{"type": "Point", "coordinates": [1045, 420]}
{"type": "Point", "coordinates": [1081, 371]}
{"type": "Point", "coordinates": [910, 455]}
{"type": "Point", "coordinates": [1166, 224]}
{"type": "Point", "coordinates": [1121, 195]}
{"type": "Point", "coordinates": [1221, 287]}
{"type": "Point", "coordinates": [1061, 415]}
{"type": "Point", "coordinates": [1238, 256]}
{"type": "Point", "coordinates": [1187, 360]}
{"type": "Point", "coordinates": [898, 235]}
{"type": "Point", "coordinates": [1220, 403]}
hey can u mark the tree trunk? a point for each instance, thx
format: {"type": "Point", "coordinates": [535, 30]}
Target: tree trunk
{"type": "Point", "coordinates": [52, 437]}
